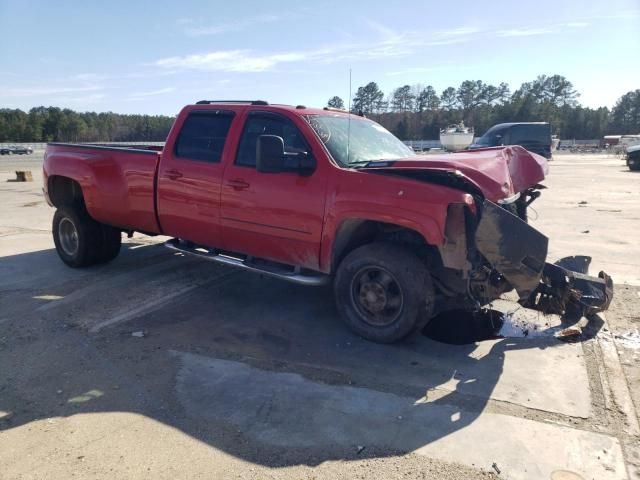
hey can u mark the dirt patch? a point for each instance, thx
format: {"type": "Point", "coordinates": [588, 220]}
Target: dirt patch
{"type": "Point", "coordinates": [624, 320]}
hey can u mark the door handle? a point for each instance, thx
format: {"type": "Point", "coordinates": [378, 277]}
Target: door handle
{"type": "Point", "coordinates": [238, 184]}
{"type": "Point", "coordinates": [173, 174]}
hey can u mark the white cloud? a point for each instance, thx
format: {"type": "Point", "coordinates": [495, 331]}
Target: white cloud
{"type": "Point", "coordinates": [390, 44]}
{"type": "Point", "coordinates": [524, 32]}
{"type": "Point", "coordinates": [245, 60]}
{"type": "Point", "coordinates": [77, 100]}
{"type": "Point", "coordinates": [88, 77]}
{"type": "Point", "coordinates": [575, 24]}
{"type": "Point", "coordinates": [231, 26]}
{"type": "Point", "coordinates": [457, 32]}
{"type": "Point", "coordinates": [533, 30]}
{"type": "Point", "coordinates": [152, 93]}
{"type": "Point", "coordinates": [41, 91]}
{"type": "Point", "coordinates": [229, 61]}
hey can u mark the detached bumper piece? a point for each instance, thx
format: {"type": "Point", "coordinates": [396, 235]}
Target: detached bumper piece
{"type": "Point", "coordinates": [566, 287]}
{"type": "Point", "coordinates": [518, 252]}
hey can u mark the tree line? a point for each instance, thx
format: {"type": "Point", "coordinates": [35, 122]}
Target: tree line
{"type": "Point", "coordinates": [52, 124]}
{"type": "Point", "coordinates": [414, 112]}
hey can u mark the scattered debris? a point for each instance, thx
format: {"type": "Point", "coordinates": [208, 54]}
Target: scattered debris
{"type": "Point", "coordinates": [629, 339]}
{"type": "Point", "coordinates": [139, 334]}
{"type": "Point", "coordinates": [360, 448]}
{"type": "Point", "coordinates": [495, 467]}
{"type": "Point", "coordinates": [513, 327]}
{"type": "Point", "coordinates": [24, 176]}
{"type": "Point", "coordinates": [569, 332]}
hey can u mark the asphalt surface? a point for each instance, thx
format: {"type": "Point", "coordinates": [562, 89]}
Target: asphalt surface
{"type": "Point", "coordinates": [162, 366]}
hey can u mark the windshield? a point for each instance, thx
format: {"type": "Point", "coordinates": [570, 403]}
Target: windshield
{"type": "Point", "coordinates": [363, 141]}
{"type": "Point", "coordinates": [484, 141]}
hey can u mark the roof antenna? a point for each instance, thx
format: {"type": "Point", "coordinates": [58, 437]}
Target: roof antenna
{"type": "Point", "coordinates": [349, 121]}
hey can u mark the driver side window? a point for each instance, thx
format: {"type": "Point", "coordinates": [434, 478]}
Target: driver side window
{"type": "Point", "coordinates": [257, 125]}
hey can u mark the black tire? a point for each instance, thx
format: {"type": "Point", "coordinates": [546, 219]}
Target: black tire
{"type": "Point", "coordinates": [111, 242]}
{"type": "Point", "coordinates": [366, 270]}
{"type": "Point", "coordinates": [78, 237]}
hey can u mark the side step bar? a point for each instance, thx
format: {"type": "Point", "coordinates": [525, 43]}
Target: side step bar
{"type": "Point", "coordinates": [284, 272]}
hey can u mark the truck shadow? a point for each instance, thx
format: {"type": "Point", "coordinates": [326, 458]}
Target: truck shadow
{"type": "Point", "coordinates": [257, 368]}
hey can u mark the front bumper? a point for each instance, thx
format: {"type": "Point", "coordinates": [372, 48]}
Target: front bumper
{"type": "Point", "coordinates": [518, 252]}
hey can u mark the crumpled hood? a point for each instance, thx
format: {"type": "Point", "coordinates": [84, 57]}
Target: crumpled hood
{"type": "Point", "coordinates": [498, 172]}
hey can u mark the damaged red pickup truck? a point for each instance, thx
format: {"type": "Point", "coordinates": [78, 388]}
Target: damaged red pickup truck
{"type": "Point", "coordinates": [313, 195]}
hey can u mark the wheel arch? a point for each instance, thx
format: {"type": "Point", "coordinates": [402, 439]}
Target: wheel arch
{"type": "Point", "coordinates": [64, 191]}
{"type": "Point", "coordinates": [352, 233]}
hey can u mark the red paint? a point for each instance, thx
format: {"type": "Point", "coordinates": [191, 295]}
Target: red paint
{"type": "Point", "coordinates": [283, 217]}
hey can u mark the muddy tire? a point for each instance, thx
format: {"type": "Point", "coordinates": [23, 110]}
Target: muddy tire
{"type": "Point", "coordinates": [78, 237]}
{"type": "Point", "coordinates": [383, 292]}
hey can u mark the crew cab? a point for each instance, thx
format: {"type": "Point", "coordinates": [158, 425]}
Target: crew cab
{"type": "Point", "coordinates": [321, 195]}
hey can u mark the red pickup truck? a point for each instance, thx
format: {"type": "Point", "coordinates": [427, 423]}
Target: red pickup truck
{"type": "Point", "coordinates": [316, 195]}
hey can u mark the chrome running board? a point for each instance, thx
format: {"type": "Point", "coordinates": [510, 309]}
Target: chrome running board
{"type": "Point", "coordinates": [273, 269]}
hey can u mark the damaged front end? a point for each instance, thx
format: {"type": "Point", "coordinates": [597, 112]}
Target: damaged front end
{"type": "Point", "coordinates": [518, 252]}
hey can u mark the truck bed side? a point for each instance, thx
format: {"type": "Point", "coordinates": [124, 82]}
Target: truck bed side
{"type": "Point", "coordinates": [117, 183]}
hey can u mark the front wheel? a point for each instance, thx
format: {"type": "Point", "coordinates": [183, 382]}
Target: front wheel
{"type": "Point", "coordinates": [383, 292]}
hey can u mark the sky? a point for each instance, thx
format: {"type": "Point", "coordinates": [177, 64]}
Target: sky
{"type": "Point", "coordinates": [154, 57]}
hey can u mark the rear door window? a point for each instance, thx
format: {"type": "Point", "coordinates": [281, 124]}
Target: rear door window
{"type": "Point", "coordinates": [203, 136]}
{"type": "Point", "coordinates": [268, 124]}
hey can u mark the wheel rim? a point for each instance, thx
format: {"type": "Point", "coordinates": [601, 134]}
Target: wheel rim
{"type": "Point", "coordinates": [377, 296]}
{"type": "Point", "coordinates": [68, 236]}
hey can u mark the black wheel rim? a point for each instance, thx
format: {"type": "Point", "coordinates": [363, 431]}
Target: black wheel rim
{"type": "Point", "coordinates": [376, 296]}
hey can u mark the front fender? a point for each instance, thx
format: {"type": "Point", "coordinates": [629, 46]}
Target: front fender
{"type": "Point", "coordinates": [429, 228]}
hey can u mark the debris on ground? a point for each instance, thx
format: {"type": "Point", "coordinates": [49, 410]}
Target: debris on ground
{"type": "Point", "coordinates": [23, 176]}
{"type": "Point", "coordinates": [569, 332]}
{"type": "Point", "coordinates": [583, 202]}
{"type": "Point", "coordinates": [584, 231]}
{"type": "Point", "coordinates": [630, 339]}
{"type": "Point", "coordinates": [495, 467]}
{"type": "Point", "coordinates": [513, 327]}
{"type": "Point", "coordinates": [139, 334]}
{"type": "Point", "coordinates": [360, 449]}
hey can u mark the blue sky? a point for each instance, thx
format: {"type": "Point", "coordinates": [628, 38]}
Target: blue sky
{"type": "Point", "coordinates": [155, 56]}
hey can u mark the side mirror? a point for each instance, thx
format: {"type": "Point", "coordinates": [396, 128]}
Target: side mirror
{"type": "Point", "coordinates": [271, 157]}
{"type": "Point", "coordinates": [270, 154]}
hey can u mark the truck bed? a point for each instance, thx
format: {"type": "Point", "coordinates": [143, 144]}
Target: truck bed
{"type": "Point", "coordinates": [117, 181]}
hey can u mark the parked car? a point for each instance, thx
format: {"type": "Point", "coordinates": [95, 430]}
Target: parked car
{"type": "Point", "coordinates": [22, 150]}
{"type": "Point", "coordinates": [18, 150]}
{"type": "Point", "coordinates": [534, 136]}
{"type": "Point", "coordinates": [633, 158]}
{"type": "Point", "coordinates": [313, 196]}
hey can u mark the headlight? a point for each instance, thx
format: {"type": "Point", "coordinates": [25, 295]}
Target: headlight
{"type": "Point", "coordinates": [508, 200]}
